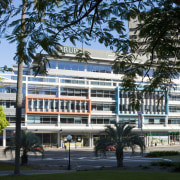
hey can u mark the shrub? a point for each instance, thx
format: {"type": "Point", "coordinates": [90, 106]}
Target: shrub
{"type": "Point", "coordinates": [163, 163]}
{"type": "Point", "coordinates": [176, 168]}
{"type": "Point", "coordinates": [162, 153]}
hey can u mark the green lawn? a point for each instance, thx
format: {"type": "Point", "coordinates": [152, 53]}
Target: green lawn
{"type": "Point", "coordinates": [9, 167]}
{"type": "Point", "coordinates": [99, 175]}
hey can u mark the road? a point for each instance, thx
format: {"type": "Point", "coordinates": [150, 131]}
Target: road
{"type": "Point", "coordinates": [85, 158]}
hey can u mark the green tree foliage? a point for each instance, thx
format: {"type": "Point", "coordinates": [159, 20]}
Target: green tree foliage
{"type": "Point", "coordinates": [43, 26]}
{"type": "Point", "coordinates": [158, 40]}
{"type": "Point", "coordinates": [121, 136]}
{"type": "Point", "coordinates": [3, 122]}
{"type": "Point", "coordinates": [29, 143]}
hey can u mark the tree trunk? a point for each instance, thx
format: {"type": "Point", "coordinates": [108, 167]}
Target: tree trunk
{"type": "Point", "coordinates": [19, 93]}
{"type": "Point", "coordinates": [119, 157]}
{"type": "Point", "coordinates": [24, 159]}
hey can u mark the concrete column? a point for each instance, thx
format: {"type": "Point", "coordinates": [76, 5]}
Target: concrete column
{"type": "Point", "coordinates": [166, 121]}
{"type": "Point", "coordinates": [92, 140]}
{"type": "Point", "coordinates": [58, 140]}
{"type": "Point", "coordinates": [58, 122]}
{"type": "Point", "coordinates": [89, 92]}
{"type": "Point", "coordinates": [117, 118]}
{"type": "Point", "coordinates": [89, 119]}
{"type": "Point", "coordinates": [59, 87]}
{"type": "Point", "coordinates": [4, 138]}
{"type": "Point", "coordinates": [25, 119]}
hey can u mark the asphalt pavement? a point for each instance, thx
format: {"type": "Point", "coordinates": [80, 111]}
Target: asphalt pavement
{"type": "Point", "coordinates": [83, 159]}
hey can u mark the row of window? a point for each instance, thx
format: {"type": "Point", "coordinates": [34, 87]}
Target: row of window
{"type": "Point", "coordinates": [12, 119]}
{"type": "Point", "coordinates": [79, 67]}
{"type": "Point", "coordinates": [45, 119]}
{"type": "Point", "coordinates": [103, 93]}
{"type": "Point", "coordinates": [154, 121]}
{"type": "Point", "coordinates": [174, 97]}
{"type": "Point", "coordinates": [70, 92]}
{"type": "Point", "coordinates": [74, 120]}
{"type": "Point", "coordinates": [155, 96]}
{"type": "Point", "coordinates": [103, 120]}
{"type": "Point", "coordinates": [74, 92]}
{"type": "Point", "coordinates": [69, 120]}
{"type": "Point", "coordinates": [8, 104]}
{"type": "Point", "coordinates": [104, 107]}
{"type": "Point", "coordinates": [44, 90]}
{"type": "Point", "coordinates": [173, 120]}
{"type": "Point", "coordinates": [147, 108]}
{"type": "Point", "coordinates": [174, 109]}
{"type": "Point", "coordinates": [42, 119]}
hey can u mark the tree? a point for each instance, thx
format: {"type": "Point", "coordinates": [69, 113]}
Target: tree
{"type": "Point", "coordinates": [41, 25]}
{"type": "Point", "coordinates": [158, 39]}
{"type": "Point", "coordinates": [121, 136]}
{"type": "Point", "coordinates": [3, 122]}
{"type": "Point", "coordinates": [29, 142]}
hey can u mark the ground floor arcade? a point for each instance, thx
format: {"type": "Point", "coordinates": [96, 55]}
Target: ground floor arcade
{"type": "Point", "coordinates": [84, 139]}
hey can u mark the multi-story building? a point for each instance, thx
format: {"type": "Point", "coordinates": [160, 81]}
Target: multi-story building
{"type": "Point", "coordinates": [80, 99]}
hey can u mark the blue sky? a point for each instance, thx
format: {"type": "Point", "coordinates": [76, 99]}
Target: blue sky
{"type": "Point", "coordinates": [7, 52]}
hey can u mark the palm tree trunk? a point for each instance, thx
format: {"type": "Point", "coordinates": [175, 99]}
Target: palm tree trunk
{"type": "Point", "coordinates": [119, 157]}
{"type": "Point", "coordinates": [19, 93]}
{"type": "Point", "coordinates": [24, 158]}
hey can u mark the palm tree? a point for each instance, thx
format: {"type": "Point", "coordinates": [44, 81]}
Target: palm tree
{"type": "Point", "coordinates": [121, 136]}
{"type": "Point", "coordinates": [29, 143]}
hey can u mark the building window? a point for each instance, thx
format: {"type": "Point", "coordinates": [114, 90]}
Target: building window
{"type": "Point", "coordinates": [103, 94]}
{"type": "Point", "coordinates": [103, 107]}
{"type": "Point", "coordinates": [74, 92]}
{"type": "Point", "coordinates": [44, 90]}
{"type": "Point", "coordinates": [130, 120]}
{"type": "Point", "coordinates": [41, 119]}
{"type": "Point", "coordinates": [8, 88]}
{"type": "Point", "coordinates": [174, 109]}
{"type": "Point", "coordinates": [74, 120]}
{"type": "Point", "coordinates": [98, 68]}
{"type": "Point", "coordinates": [8, 103]}
{"type": "Point", "coordinates": [103, 120]}
{"type": "Point", "coordinates": [174, 121]}
{"type": "Point", "coordinates": [51, 65]}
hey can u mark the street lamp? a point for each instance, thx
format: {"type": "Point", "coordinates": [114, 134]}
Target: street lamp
{"type": "Point", "coordinates": [69, 138]}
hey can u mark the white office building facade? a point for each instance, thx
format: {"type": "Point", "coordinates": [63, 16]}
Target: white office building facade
{"type": "Point", "coordinates": [80, 99]}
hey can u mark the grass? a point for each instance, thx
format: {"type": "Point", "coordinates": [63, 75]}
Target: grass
{"type": "Point", "coordinates": [99, 175]}
{"type": "Point", "coordinates": [175, 166]}
{"type": "Point", "coordinates": [10, 167]}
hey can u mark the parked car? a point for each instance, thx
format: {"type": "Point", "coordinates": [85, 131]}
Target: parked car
{"type": "Point", "coordinates": [111, 148]}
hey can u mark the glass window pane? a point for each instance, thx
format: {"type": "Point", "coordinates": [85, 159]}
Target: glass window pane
{"type": "Point", "coordinates": [81, 67]}
{"type": "Point", "coordinates": [95, 68]}
{"type": "Point", "coordinates": [99, 107]}
{"type": "Point", "coordinates": [108, 69]}
{"type": "Point", "coordinates": [52, 64]}
{"type": "Point", "coordinates": [67, 66]}
{"type": "Point", "coordinates": [74, 66]}
{"type": "Point", "coordinates": [89, 68]}
{"type": "Point", "coordinates": [61, 65]}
